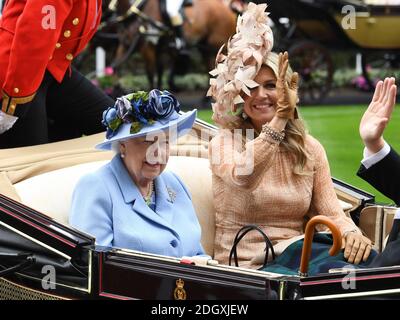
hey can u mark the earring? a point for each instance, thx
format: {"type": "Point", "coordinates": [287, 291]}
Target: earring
{"type": "Point", "coordinates": [244, 115]}
{"type": "Point", "coordinates": [122, 155]}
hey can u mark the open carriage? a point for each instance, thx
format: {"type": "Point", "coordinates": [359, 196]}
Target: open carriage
{"type": "Point", "coordinates": [42, 257]}
{"type": "Point", "coordinates": [312, 29]}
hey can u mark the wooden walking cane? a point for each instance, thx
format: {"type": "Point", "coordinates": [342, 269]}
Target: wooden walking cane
{"type": "Point", "coordinates": [308, 237]}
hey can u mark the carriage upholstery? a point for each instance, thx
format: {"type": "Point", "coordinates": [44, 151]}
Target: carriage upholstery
{"type": "Point", "coordinates": [43, 177]}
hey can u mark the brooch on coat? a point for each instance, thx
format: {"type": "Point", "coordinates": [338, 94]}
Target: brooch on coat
{"type": "Point", "coordinates": [172, 195]}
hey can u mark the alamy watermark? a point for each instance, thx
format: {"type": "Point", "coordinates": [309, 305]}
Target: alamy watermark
{"type": "Point", "coordinates": [49, 21]}
{"type": "Point", "coordinates": [349, 281]}
{"type": "Point", "coordinates": [349, 21]}
{"type": "Point", "coordinates": [234, 148]}
{"type": "Point", "coordinates": [49, 278]}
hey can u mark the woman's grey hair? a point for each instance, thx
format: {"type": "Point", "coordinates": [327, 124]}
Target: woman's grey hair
{"type": "Point", "coordinates": [115, 147]}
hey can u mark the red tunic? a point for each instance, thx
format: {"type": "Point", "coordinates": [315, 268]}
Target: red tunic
{"type": "Point", "coordinates": [36, 35]}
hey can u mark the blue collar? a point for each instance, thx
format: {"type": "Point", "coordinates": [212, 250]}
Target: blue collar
{"type": "Point", "coordinates": [164, 195]}
{"type": "Point", "coordinates": [128, 187]}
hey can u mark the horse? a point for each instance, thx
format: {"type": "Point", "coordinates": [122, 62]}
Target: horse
{"type": "Point", "coordinates": [208, 24]}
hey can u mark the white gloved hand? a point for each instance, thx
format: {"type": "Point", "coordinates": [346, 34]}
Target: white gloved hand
{"type": "Point", "coordinates": [6, 121]}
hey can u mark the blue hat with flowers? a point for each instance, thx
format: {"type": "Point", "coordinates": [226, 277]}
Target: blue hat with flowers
{"type": "Point", "coordinates": [141, 113]}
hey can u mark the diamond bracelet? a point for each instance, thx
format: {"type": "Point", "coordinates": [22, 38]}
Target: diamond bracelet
{"type": "Point", "coordinates": [275, 135]}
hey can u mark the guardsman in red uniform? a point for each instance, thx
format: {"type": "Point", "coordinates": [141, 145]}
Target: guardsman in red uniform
{"type": "Point", "coordinates": [38, 41]}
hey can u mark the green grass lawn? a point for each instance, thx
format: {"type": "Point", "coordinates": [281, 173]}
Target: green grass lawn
{"type": "Point", "coordinates": [336, 127]}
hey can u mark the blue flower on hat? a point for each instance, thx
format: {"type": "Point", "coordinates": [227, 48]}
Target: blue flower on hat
{"type": "Point", "coordinates": [139, 108]}
{"type": "Point", "coordinates": [162, 104]}
{"type": "Point", "coordinates": [111, 121]}
{"type": "Point", "coordinates": [124, 109]}
{"type": "Point", "coordinates": [138, 113]}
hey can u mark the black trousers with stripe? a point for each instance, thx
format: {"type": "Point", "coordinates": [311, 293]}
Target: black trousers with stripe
{"type": "Point", "coordinates": [59, 111]}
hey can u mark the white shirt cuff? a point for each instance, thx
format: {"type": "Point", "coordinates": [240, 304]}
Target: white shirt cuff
{"type": "Point", "coordinates": [397, 214]}
{"type": "Point", "coordinates": [372, 158]}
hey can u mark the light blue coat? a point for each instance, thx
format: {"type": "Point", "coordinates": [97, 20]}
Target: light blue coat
{"type": "Point", "coordinates": [108, 205]}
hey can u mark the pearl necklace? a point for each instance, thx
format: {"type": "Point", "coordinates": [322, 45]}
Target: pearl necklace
{"type": "Point", "coordinates": [147, 198]}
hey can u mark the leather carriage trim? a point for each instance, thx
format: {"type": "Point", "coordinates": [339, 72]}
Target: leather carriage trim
{"type": "Point", "coordinates": [35, 218]}
{"type": "Point", "coordinates": [356, 278]}
{"type": "Point", "coordinates": [370, 285]}
{"type": "Point", "coordinates": [388, 213]}
{"type": "Point", "coordinates": [114, 296]}
{"type": "Point", "coordinates": [90, 272]}
{"type": "Point", "coordinates": [378, 228]}
{"type": "Point", "coordinates": [35, 240]}
{"type": "Point", "coordinates": [225, 278]}
{"type": "Point", "coordinates": [87, 289]}
{"type": "Point", "coordinates": [39, 228]}
{"type": "Point", "coordinates": [357, 294]}
{"type": "Point", "coordinates": [236, 270]}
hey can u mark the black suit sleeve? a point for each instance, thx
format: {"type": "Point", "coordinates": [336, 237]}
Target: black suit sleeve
{"type": "Point", "coordinates": [384, 176]}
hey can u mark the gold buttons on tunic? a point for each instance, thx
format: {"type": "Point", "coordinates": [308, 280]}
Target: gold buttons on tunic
{"type": "Point", "coordinates": [16, 90]}
{"type": "Point", "coordinates": [75, 22]}
{"type": "Point", "coordinates": [67, 33]}
{"type": "Point", "coordinates": [69, 56]}
{"type": "Point", "coordinates": [58, 45]}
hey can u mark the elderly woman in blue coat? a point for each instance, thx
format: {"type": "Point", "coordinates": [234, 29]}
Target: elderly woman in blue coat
{"type": "Point", "coordinates": [132, 202]}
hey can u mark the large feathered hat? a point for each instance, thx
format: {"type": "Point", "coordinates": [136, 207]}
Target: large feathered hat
{"type": "Point", "coordinates": [235, 71]}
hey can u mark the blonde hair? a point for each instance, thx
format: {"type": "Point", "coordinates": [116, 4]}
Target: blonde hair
{"type": "Point", "coordinates": [295, 130]}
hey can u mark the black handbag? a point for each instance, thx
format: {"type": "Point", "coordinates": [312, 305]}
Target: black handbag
{"type": "Point", "coordinates": [239, 236]}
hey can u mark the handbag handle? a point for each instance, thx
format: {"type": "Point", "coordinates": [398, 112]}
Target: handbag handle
{"type": "Point", "coordinates": [239, 236]}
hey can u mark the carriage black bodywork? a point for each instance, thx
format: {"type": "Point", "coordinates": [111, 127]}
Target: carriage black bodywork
{"type": "Point", "coordinates": [41, 258]}
{"type": "Point", "coordinates": [86, 271]}
{"type": "Point", "coordinates": [311, 30]}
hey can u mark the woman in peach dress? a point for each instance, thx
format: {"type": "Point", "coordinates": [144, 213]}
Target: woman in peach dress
{"type": "Point", "coordinates": [267, 171]}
